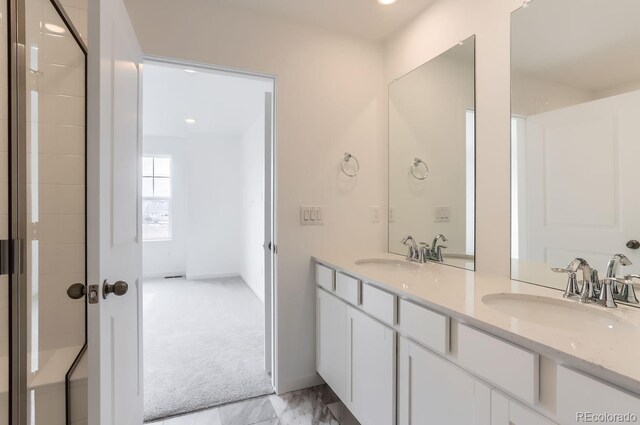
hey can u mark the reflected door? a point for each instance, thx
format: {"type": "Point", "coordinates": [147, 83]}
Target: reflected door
{"type": "Point", "coordinates": [577, 182]}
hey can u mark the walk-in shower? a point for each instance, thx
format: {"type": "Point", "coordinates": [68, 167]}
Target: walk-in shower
{"type": "Point", "coordinates": [42, 211]}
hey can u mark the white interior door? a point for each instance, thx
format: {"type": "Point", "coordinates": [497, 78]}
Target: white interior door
{"type": "Point", "coordinates": [114, 237]}
{"type": "Point", "coordinates": [581, 197]}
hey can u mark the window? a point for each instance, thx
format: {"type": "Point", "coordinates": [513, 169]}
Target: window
{"type": "Point", "coordinates": [156, 198]}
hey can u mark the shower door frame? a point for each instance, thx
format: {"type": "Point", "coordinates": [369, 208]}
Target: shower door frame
{"type": "Point", "coordinates": [18, 299]}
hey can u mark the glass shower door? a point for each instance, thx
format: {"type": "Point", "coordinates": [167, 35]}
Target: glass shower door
{"type": "Point", "coordinates": [4, 212]}
{"type": "Point", "coordinates": [54, 248]}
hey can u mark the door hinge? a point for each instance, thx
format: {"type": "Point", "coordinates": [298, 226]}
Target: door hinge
{"type": "Point", "coordinates": [5, 267]}
{"type": "Point", "coordinates": [11, 256]}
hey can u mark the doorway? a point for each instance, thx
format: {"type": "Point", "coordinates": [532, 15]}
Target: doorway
{"type": "Point", "coordinates": [207, 227]}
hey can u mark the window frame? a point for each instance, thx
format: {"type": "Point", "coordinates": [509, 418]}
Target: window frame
{"type": "Point", "coordinates": [154, 197]}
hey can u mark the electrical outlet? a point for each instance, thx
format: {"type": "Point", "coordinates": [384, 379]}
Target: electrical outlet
{"type": "Point", "coordinates": [310, 215]}
{"type": "Point", "coordinates": [442, 215]}
{"type": "Point", "coordinates": [375, 214]}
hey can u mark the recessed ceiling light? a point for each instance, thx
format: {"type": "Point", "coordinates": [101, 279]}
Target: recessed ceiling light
{"type": "Point", "coordinates": [386, 2]}
{"type": "Point", "coordinates": [189, 120]}
{"type": "Point", "coordinates": [54, 28]}
{"type": "Point", "coordinates": [189, 71]}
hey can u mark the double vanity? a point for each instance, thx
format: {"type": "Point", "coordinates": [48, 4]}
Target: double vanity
{"type": "Point", "coordinates": [421, 338]}
{"type": "Point", "coordinates": [408, 343]}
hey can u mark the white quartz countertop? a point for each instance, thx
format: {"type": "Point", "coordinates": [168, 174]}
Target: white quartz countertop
{"type": "Point", "coordinates": [611, 354]}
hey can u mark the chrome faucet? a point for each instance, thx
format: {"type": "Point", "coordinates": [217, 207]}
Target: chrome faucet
{"type": "Point", "coordinates": [612, 269]}
{"type": "Point", "coordinates": [603, 292]}
{"type": "Point", "coordinates": [413, 253]}
{"type": "Point", "coordinates": [435, 253]}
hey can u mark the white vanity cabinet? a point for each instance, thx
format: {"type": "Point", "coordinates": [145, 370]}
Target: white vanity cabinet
{"type": "Point", "coordinates": [331, 328]}
{"type": "Point", "coordinates": [431, 390]}
{"type": "Point", "coordinates": [371, 369]}
{"type": "Point", "coordinates": [395, 360]}
{"type": "Point", "coordinates": [356, 356]}
{"type": "Point", "coordinates": [505, 411]}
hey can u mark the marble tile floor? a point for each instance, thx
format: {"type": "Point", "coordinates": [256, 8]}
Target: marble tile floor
{"type": "Point", "coordinates": [311, 406]}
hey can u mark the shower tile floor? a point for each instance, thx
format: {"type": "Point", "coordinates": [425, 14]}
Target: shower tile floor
{"type": "Point", "coordinates": [311, 406]}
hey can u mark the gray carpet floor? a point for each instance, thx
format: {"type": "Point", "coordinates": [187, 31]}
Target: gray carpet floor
{"type": "Point", "coordinates": [203, 345]}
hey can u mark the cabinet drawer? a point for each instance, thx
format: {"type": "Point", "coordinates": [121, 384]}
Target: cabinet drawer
{"type": "Point", "coordinates": [348, 288]}
{"type": "Point", "coordinates": [510, 367]}
{"type": "Point", "coordinates": [325, 277]}
{"type": "Point", "coordinates": [579, 393]}
{"type": "Point", "coordinates": [379, 304]}
{"type": "Point", "coordinates": [427, 327]}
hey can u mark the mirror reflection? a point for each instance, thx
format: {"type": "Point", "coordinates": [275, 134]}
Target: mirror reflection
{"type": "Point", "coordinates": [575, 78]}
{"type": "Point", "coordinates": [432, 160]}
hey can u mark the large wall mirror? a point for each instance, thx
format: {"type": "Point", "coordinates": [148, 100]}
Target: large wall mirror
{"type": "Point", "coordinates": [432, 158]}
{"type": "Point", "coordinates": [575, 75]}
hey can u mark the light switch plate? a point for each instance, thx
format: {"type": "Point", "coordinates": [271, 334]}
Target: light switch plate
{"type": "Point", "coordinates": [311, 215]}
{"type": "Point", "coordinates": [442, 215]}
{"type": "Point", "coordinates": [392, 214]}
{"type": "Point", "coordinates": [375, 214]}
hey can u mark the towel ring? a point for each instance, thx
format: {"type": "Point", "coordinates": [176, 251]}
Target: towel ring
{"type": "Point", "coordinates": [348, 157]}
{"type": "Point", "coordinates": [415, 165]}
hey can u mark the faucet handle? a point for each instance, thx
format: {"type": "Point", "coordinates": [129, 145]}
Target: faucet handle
{"type": "Point", "coordinates": [573, 289]}
{"type": "Point", "coordinates": [628, 293]}
{"type": "Point", "coordinates": [606, 297]}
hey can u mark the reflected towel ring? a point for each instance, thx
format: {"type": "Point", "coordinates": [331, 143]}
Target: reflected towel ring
{"type": "Point", "coordinates": [348, 157]}
{"type": "Point", "coordinates": [415, 165]}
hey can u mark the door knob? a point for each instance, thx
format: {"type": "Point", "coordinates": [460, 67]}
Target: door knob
{"type": "Point", "coordinates": [76, 291]}
{"type": "Point", "coordinates": [633, 244]}
{"type": "Point", "coordinates": [119, 288]}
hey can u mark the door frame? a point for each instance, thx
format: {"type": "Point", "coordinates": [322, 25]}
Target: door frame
{"type": "Point", "coordinates": [270, 292]}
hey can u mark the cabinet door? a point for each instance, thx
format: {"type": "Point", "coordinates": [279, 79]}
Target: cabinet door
{"type": "Point", "coordinates": [505, 411]}
{"type": "Point", "coordinates": [331, 319]}
{"type": "Point", "coordinates": [371, 369]}
{"type": "Point", "coordinates": [433, 391]}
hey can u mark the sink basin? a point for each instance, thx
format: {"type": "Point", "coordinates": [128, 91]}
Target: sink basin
{"type": "Point", "coordinates": [388, 264]}
{"type": "Point", "coordinates": [558, 314]}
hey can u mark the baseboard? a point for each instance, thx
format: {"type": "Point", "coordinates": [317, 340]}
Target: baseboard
{"type": "Point", "coordinates": [212, 276]}
{"type": "Point", "coordinates": [162, 275]}
{"type": "Point", "coordinates": [260, 296]}
{"type": "Point", "coordinates": [286, 386]}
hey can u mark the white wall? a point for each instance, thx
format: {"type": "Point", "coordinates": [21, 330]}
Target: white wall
{"type": "Point", "coordinates": [169, 258]}
{"type": "Point", "coordinates": [252, 161]}
{"type": "Point", "coordinates": [534, 96]}
{"type": "Point", "coordinates": [214, 204]}
{"type": "Point", "coordinates": [330, 99]}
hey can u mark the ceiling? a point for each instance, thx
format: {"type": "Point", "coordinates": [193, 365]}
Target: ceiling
{"type": "Point", "coordinates": [220, 103]}
{"type": "Point", "coordinates": [362, 18]}
{"type": "Point", "coordinates": [588, 44]}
